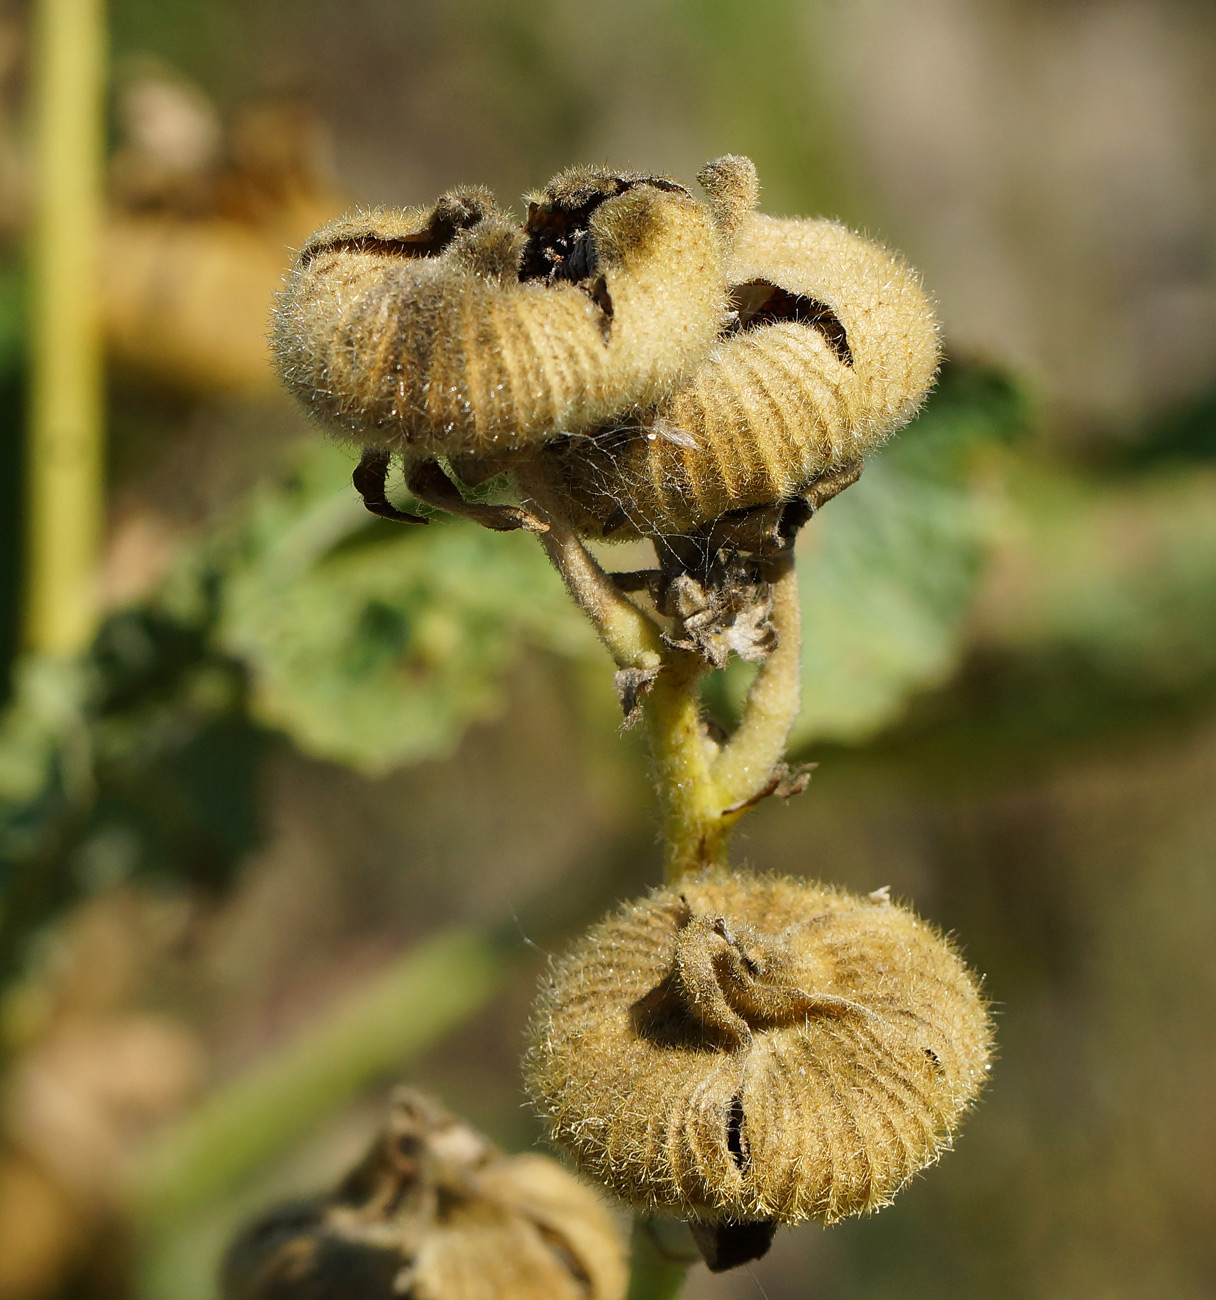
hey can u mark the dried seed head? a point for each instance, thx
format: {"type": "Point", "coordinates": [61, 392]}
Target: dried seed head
{"type": "Point", "coordinates": [833, 347]}
{"type": "Point", "coordinates": [434, 1210]}
{"type": "Point", "coordinates": [450, 329]}
{"type": "Point", "coordinates": [750, 1048]}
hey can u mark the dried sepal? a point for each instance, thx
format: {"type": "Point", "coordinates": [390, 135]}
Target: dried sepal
{"type": "Point", "coordinates": [832, 347]}
{"type": "Point", "coordinates": [434, 1211]}
{"type": "Point", "coordinates": [732, 190]}
{"type": "Point", "coordinates": [452, 329]}
{"type": "Point", "coordinates": [741, 1049]}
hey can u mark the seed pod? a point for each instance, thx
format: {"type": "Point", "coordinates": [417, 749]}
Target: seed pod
{"type": "Point", "coordinates": [435, 1211]}
{"type": "Point", "coordinates": [451, 329]}
{"type": "Point", "coordinates": [746, 1049]}
{"type": "Point", "coordinates": [832, 347]}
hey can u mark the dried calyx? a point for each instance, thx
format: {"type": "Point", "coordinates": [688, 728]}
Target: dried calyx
{"type": "Point", "coordinates": [453, 329]}
{"type": "Point", "coordinates": [746, 1051]}
{"type": "Point", "coordinates": [434, 1211]}
{"type": "Point", "coordinates": [831, 346]}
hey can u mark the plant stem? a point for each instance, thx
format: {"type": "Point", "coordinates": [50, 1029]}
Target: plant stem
{"type": "Point", "coordinates": [654, 1274]}
{"type": "Point", "coordinates": [631, 636]}
{"type": "Point", "coordinates": [703, 790]}
{"type": "Point", "coordinates": [65, 471]}
{"type": "Point", "coordinates": [396, 1016]}
{"type": "Point", "coordinates": [683, 756]}
{"type": "Point", "coordinates": [758, 744]}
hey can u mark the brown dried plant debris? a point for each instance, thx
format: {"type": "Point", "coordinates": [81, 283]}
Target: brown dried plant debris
{"type": "Point", "coordinates": [454, 329]}
{"type": "Point", "coordinates": [434, 1211]}
{"type": "Point", "coordinates": [742, 1050]}
{"type": "Point", "coordinates": [714, 586]}
{"type": "Point", "coordinates": [831, 347]}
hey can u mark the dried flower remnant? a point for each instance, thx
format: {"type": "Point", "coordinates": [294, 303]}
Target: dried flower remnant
{"type": "Point", "coordinates": [436, 1212]}
{"type": "Point", "coordinates": [832, 347]}
{"type": "Point", "coordinates": [453, 329]}
{"type": "Point", "coordinates": [747, 1050]}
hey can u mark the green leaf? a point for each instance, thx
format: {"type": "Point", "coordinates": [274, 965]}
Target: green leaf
{"type": "Point", "coordinates": [376, 644]}
{"type": "Point", "coordinates": [889, 570]}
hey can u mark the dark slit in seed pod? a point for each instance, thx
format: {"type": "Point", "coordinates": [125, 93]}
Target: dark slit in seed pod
{"type": "Point", "coordinates": [749, 1050]}
{"type": "Point", "coordinates": [453, 330]}
{"type": "Point", "coordinates": [832, 346]}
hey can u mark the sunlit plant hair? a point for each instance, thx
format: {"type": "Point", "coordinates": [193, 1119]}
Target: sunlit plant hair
{"type": "Point", "coordinates": [831, 347]}
{"type": "Point", "coordinates": [455, 328]}
{"type": "Point", "coordinates": [740, 1049]}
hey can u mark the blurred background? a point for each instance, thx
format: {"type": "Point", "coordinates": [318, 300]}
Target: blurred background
{"type": "Point", "coordinates": [309, 809]}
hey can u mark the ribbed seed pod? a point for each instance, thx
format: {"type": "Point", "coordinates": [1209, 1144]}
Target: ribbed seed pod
{"type": "Point", "coordinates": [435, 1212]}
{"type": "Point", "coordinates": [751, 1049]}
{"type": "Point", "coordinates": [450, 329]}
{"type": "Point", "coordinates": [833, 347]}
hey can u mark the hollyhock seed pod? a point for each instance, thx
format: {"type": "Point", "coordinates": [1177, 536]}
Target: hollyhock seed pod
{"type": "Point", "coordinates": [742, 1049]}
{"type": "Point", "coordinates": [434, 1211]}
{"type": "Point", "coordinates": [451, 329]}
{"type": "Point", "coordinates": [833, 347]}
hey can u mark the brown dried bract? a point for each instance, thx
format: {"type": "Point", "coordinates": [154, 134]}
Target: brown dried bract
{"type": "Point", "coordinates": [452, 329]}
{"type": "Point", "coordinates": [436, 1212]}
{"type": "Point", "coordinates": [742, 1049]}
{"type": "Point", "coordinates": [832, 347]}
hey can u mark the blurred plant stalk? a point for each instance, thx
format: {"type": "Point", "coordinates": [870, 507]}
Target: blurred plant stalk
{"type": "Point", "coordinates": [370, 1034]}
{"type": "Point", "coordinates": [65, 442]}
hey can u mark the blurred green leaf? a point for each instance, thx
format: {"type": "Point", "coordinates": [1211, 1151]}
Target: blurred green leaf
{"type": "Point", "coordinates": [376, 644]}
{"type": "Point", "coordinates": [1115, 583]}
{"type": "Point", "coordinates": [889, 570]}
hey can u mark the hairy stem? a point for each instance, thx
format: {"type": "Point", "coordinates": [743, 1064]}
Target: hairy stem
{"type": "Point", "coordinates": [747, 761]}
{"type": "Point", "coordinates": [703, 789]}
{"type": "Point", "coordinates": [692, 825]}
{"type": "Point", "coordinates": [693, 831]}
{"type": "Point", "coordinates": [632, 638]}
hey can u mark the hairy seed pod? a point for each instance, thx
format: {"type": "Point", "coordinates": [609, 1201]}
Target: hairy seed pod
{"type": "Point", "coordinates": [747, 1049]}
{"type": "Point", "coordinates": [434, 1211]}
{"type": "Point", "coordinates": [451, 329]}
{"type": "Point", "coordinates": [832, 347]}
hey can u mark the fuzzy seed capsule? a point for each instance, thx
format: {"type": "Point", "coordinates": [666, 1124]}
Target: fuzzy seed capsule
{"type": "Point", "coordinates": [434, 1211]}
{"type": "Point", "coordinates": [452, 329]}
{"type": "Point", "coordinates": [832, 347]}
{"type": "Point", "coordinates": [747, 1049]}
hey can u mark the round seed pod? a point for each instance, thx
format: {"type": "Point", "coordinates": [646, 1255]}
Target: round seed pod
{"type": "Point", "coordinates": [451, 329]}
{"type": "Point", "coordinates": [832, 347]}
{"type": "Point", "coordinates": [436, 1212]}
{"type": "Point", "coordinates": [743, 1049]}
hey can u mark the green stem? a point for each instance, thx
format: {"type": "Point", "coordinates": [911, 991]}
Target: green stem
{"type": "Point", "coordinates": [683, 756]}
{"type": "Point", "coordinates": [397, 1015]}
{"type": "Point", "coordinates": [65, 469]}
{"type": "Point", "coordinates": [758, 745]}
{"type": "Point", "coordinates": [703, 790]}
{"type": "Point", "coordinates": [631, 636]}
{"type": "Point", "coordinates": [654, 1273]}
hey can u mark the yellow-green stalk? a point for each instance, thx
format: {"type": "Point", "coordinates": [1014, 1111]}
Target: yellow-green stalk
{"type": "Point", "coordinates": [65, 454]}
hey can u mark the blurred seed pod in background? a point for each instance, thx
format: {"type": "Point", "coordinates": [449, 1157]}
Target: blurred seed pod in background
{"type": "Point", "coordinates": [832, 347]}
{"type": "Point", "coordinates": [452, 329]}
{"type": "Point", "coordinates": [434, 1211]}
{"type": "Point", "coordinates": [746, 1050]}
{"type": "Point", "coordinates": [198, 221]}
